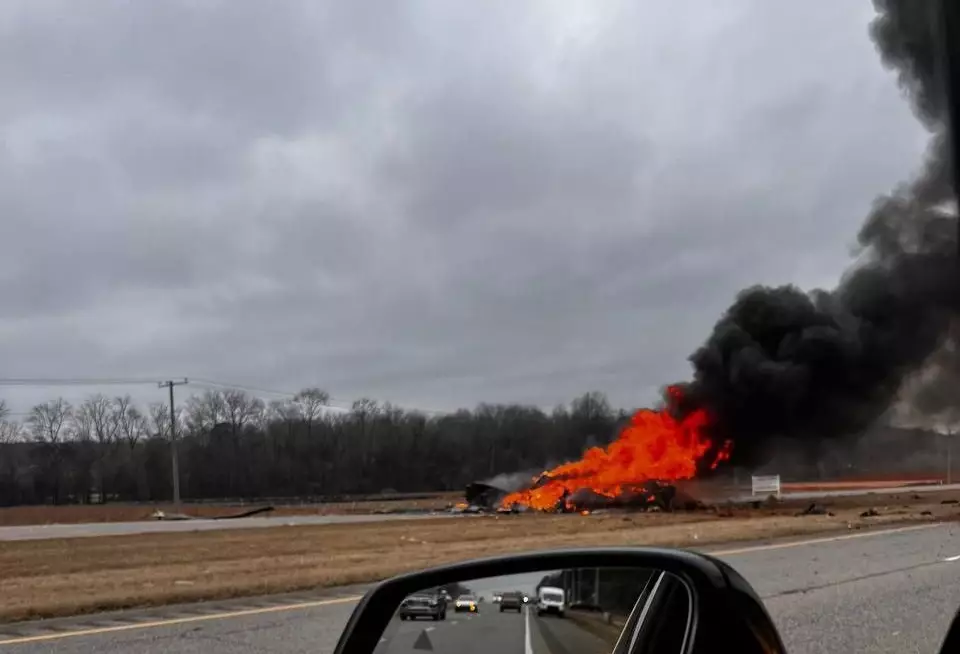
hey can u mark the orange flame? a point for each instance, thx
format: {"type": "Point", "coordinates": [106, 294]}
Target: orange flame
{"type": "Point", "coordinates": [653, 446]}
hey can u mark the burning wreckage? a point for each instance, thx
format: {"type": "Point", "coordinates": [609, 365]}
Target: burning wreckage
{"type": "Point", "coordinates": [808, 367]}
{"type": "Point", "coordinates": [639, 470]}
{"type": "Point", "coordinates": [481, 497]}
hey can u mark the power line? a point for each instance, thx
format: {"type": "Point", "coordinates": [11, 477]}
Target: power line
{"type": "Point", "coordinates": [141, 381]}
{"type": "Point", "coordinates": [76, 381]}
{"type": "Point", "coordinates": [240, 387]}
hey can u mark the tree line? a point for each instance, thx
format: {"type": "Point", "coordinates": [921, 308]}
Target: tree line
{"type": "Point", "coordinates": [232, 444]}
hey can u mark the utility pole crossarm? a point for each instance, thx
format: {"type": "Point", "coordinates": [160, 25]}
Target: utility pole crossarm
{"type": "Point", "coordinates": [174, 458]}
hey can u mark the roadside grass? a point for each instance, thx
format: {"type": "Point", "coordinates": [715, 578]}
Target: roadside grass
{"type": "Point", "coordinates": [59, 577]}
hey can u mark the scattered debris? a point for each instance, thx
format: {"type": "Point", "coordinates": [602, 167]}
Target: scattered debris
{"type": "Point", "coordinates": [870, 513]}
{"type": "Point", "coordinates": [483, 496]}
{"type": "Point", "coordinates": [949, 501]}
{"type": "Point", "coordinates": [926, 513]}
{"type": "Point", "coordinates": [161, 515]}
{"type": "Point", "coordinates": [815, 509]}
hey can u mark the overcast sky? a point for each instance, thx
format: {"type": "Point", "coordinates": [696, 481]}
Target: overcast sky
{"type": "Point", "coordinates": [433, 203]}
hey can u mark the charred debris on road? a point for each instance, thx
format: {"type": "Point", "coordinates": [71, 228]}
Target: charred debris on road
{"type": "Point", "coordinates": [651, 495]}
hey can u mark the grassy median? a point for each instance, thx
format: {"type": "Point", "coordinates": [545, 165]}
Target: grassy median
{"type": "Point", "coordinates": [49, 578]}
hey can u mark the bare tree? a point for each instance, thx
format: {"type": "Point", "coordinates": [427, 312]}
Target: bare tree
{"type": "Point", "coordinates": [365, 407]}
{"type": "Point", "coordinates": [10, 432]}
{"type": "Point", "coordinates": [101, 414]}
{"type": "Point", "coordinates": [160, 419]}
{"type": "Point", "coordinates": [46, 424]}
{"type": "Point", "coordinates": [205, 411]}
{"type": "Point", "coordinates": [102, 417]}
{"type": "Point", "coordinates": [47, 420]}
{"type": "Point", "coordinates": [80, 426]}
{"type": "Point", "coordinates": [4, 410]}
{"type": "Point", "coordinates": [310, 403]}
{"type": "Point", "coordinates": [241, 409]}
{"type": "Point", "coordinates": [283, 410]}
{"type": "Point", "coordinates": [133, 425]}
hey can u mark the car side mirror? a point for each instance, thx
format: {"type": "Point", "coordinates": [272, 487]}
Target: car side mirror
{"type": "Point", "coordinates": [622, 600]}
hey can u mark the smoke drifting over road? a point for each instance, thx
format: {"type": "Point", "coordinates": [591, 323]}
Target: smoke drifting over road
{"type": "Point", "coordinates": [822, 365]}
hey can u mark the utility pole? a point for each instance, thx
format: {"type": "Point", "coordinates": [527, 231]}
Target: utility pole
{"type": "Point", "coordinates": [174, 459]}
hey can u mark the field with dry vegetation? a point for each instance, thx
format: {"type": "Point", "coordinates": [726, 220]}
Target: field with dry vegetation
{"type": "Point", "coordinates": [70, 576]}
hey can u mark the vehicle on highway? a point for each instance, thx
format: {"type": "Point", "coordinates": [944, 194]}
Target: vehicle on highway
{"type": "Point", "coordinates": [511, 601]}
{"type": "Point", "coordinates": [552, 600]}
{"type": "Point", "coordinates": [423, 606]}
{"type": "Point", "coordinates": [655, 601]}
{"type": "Point", "coordinates": [466, 604]}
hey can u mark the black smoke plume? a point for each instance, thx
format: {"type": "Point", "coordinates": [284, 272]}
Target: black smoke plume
{"type": "Point", "coordinates": [816, 366]}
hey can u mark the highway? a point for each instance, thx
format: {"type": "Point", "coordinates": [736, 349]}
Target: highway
{"type": "Point", "coordinates": [83, 530]}
{"type": "Point", "coordinates": [853, 492]}
{"type": "Point", "coordinates": [492, 631]}
{"type": "Point", "coordinates": [889, 591]}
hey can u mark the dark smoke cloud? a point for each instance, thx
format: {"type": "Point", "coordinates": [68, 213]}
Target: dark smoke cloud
{"type": "Point", "coordinates": [823, 365]}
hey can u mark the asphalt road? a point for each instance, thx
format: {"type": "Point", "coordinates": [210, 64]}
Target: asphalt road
{"type": "Point", "coordinates": [492, 631]}
{"type": "Point", "coordinates": [891, 591]}
{"type": "Point", "coordinates": [39, 532]}
{"type": "Point", "coordinates": [855, 492]}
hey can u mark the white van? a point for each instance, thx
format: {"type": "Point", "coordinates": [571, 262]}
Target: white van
{"type": "Point", "coordinates": [550, 599]}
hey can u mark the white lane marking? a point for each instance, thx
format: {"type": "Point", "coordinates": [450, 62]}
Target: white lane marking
{"type": "Point", "coordinates": [153, 624]}
{"type": "Point", "coordinates": [951, 559]}
{"type": "Point", "coordinates": [527, 645]}
{"type": "Point", "coordinates": [820, 541]}
{"type": "Point", "coordinates": [429, 628]}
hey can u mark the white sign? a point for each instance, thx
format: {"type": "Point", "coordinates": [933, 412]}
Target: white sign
{"type": "Point", "coordinates": [765, 485]}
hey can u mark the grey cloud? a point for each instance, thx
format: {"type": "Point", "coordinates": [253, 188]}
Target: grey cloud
{"type": "Point", "coordinates": [432, 203]}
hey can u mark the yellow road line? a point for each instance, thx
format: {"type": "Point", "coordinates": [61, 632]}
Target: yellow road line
{"type": "Point", "coordinates": [817, 541]}
{"type": "Point", "coordinates": [176, 621]}
{"type": "Point", "coordinates": [343, 600]}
